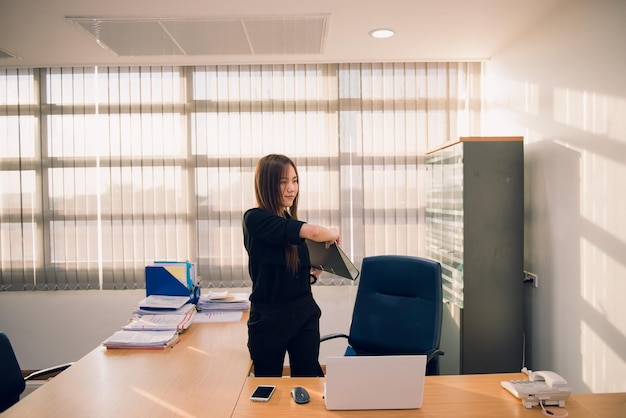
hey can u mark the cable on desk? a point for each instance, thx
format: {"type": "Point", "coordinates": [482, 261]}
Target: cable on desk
{"type": "Point", "coordinates": [560, 412]}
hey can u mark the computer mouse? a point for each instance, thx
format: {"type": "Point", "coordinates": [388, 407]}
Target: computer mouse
{"type": "Point", "coordinates": [300, 395]}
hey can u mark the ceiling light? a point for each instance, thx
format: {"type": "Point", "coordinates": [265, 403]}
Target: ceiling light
{"type": "Point", "coordinates": [382, 33]}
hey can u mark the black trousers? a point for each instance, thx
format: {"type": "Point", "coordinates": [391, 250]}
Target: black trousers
{"type": "Point", "coordinates": [293, 328]}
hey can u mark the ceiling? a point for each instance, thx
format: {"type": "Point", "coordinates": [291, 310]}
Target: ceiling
{"type": "Point", "coordinates": [52, 33]}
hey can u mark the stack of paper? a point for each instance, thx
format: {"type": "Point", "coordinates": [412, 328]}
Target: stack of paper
{"type": "Point", "coordinates": [156, 340]}
{"type": "Point", "coordinates": [163, 302]}
{"type": "Point", "coordinates": [161, 322]}
{"type": "Point", "coordinates": [186, 308]}
{"type": "Point", "coordinates": [218, 316]}
{"type": "Point", "coordinates": [224, 301]}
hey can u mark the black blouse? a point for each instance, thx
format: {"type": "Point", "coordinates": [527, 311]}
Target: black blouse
{"type": "Point", "coordinates": [265, 237]}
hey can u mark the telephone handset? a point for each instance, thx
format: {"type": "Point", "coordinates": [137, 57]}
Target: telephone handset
{"type": "Point", "coordinates": [543, 386]}
{"type": "Point", "coordinates": [552, 379]}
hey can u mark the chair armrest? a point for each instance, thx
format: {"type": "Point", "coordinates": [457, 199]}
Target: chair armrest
{"type": "Point", "coordinates": [332, 336]}
{"type": "Point", "coordinates": [431, 354]}
{"type": "Point", "coordinates": [48, 371]}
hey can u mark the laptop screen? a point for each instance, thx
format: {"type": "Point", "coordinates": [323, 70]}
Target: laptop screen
{"type": "Point", "coordinates": [375, 382]}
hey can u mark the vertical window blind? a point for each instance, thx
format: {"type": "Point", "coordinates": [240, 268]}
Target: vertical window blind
{"type": "Point", "coordinates": [107, 169]}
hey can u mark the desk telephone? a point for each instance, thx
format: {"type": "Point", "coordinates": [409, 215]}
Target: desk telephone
{"type": "Point", "coordinates": [543, 387]}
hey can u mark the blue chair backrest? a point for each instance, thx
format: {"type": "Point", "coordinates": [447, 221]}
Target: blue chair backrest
{"type": "Point", "coordinates": [398, 307]}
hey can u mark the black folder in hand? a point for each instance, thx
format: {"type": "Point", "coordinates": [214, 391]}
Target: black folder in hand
{"type": "Point", "coordinates": [332, 260]}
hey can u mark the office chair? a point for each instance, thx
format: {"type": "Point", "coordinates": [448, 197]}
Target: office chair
{"type": "Point", "coordinates": [12, 382]}
{"type": "Point", "coordinates": [397, 310]}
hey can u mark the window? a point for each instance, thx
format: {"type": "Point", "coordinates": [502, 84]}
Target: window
{"type": "Point", "coordinates": [106, 170]}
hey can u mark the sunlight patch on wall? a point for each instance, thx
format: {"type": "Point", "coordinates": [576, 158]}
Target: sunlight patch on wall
{"type": "Point", "coordinates": [591, 112]}
{"type": "Point", "coordinates": [594, 274]}
{"type": "Point", "coordinates": [506, 96]}
{"type": "Point", "coordinates": [602, 201]}
{"type": "Point", "coordinates": [603, 326]}
{"type": "Point", "coordinates": [515, 94]}
{"type": "Point", "coordinates": [597, 356]}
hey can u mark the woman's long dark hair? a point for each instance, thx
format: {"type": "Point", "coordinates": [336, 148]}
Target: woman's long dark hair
{"type": "Point", "coordinates": [269, 171]}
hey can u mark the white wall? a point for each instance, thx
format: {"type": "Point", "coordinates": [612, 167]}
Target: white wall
{"type": "Point", "coordinates": [563, 86]}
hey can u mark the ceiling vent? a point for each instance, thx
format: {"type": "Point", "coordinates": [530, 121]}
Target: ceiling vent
{"type": "Point", "coordinates": [274, 35]}
{"type": "Point", "coordinates": [4, 54]}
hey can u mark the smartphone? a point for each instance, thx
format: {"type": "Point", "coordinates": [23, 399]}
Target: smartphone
{"type": "Point", "coordinates": [262, 393]}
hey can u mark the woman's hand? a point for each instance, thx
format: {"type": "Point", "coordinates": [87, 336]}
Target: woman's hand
{"type": "Point", "coordinates": [337, 240]}
{"type": "Point", "coordinates": [320, 234]}
{"type": "Point", "coordinates": [314, 274]}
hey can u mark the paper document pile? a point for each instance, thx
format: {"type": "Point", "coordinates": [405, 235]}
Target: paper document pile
{"type": "Point", "coordinates": [162, 313]}
{"type": "Point", "coordinates": [163, 302]}
{"type": "Point", "coordinates": [142, 339]}
{"type": "Point", "coordinates": [224, 301]}
{"type": "Point", "coordinates": [156, 323]}
{"type": "Point", "coordinates": [181, 311]}
{"type": "Point", "coordinates": [160, 322]}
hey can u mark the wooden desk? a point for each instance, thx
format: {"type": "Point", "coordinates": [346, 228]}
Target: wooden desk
{"type": "Point", "coordinates": [206, 375]}
{"type": "Point", "coordinates": [201, 376]}
{"type": "Point", "coordinates": [444, 396]}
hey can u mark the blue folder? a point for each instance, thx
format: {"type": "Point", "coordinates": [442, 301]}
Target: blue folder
{"type": "Point", "coordinates": [172, 278]}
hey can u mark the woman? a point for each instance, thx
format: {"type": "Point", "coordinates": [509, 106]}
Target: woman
{"type": "Point", "coordinates": [284, 317]}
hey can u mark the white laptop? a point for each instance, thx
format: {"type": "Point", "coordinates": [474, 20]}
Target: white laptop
{"type": "Point", "coordinates": [374, 382]}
